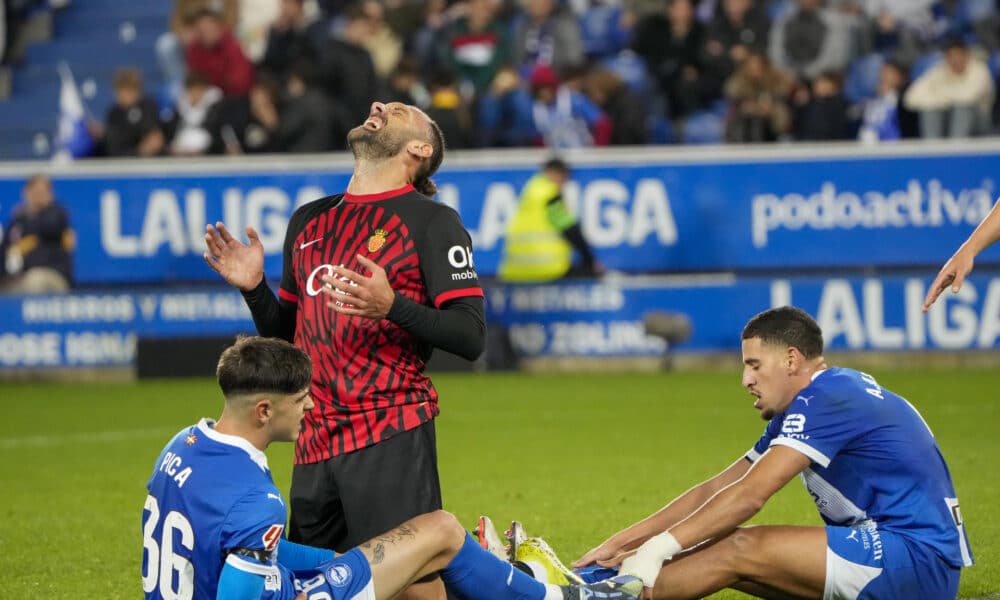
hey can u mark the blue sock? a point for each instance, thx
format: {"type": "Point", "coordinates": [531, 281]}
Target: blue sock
{"type": "Point", "coordinates": [475, 574]}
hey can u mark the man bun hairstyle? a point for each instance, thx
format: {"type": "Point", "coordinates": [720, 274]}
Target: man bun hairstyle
{"type": "Point", "coordinates": [422, 181]}
{"type": "Point", "coordinates": [787, 326]}
{"type": "Point", "coordinates": [260, 365]}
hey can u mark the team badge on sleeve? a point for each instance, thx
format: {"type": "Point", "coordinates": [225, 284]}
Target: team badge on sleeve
{"type": "Point", "coordinates": [191, 439]}
{"type": "Point", "coordinates": [339, 575]}
{"type": "Point", "coordinates": [377, 240]}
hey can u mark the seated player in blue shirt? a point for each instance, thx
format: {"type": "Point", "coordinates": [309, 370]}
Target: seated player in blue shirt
{"type": "Point", "coordinates": [213, 521]}
{"type": "Point", "coordinates": [868, 459]}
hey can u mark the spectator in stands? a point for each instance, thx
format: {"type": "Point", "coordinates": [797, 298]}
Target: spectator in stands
{"type": "Point", "coordinates": [504, 113]}
{"type": "Point", "coordinates": [188, 131]}
{"type": "Point", "coordinates": [605, 28]}
{"type": "Point", "coordinates": [214, 52]}
{"type": "Point", "coordinates": [626, 112]}
{"type": "Point", "coordinates": [346, 68]}
{"type": "Point", "coordinates": [309, 121]}
{"type": "Point", "coordinates": [544, 34]}
{"type": "Point", "coordinates": [292, 37]}
{"type": "Point", "coordinates": [809, 40]}
{"type": "Point", "coordinates": [38, 245]}
{"type": "Point", "coordinates": [475, 45]}
{"type": "Point", "coordinates": [884, 118]}
{"type": "Point", "coordinates": [565, 118]}
{"type": "Point", "coordinates": [171, 45]}
{"type": "Point", "coordinates": [449, 110]}
{"type": "Point", "coordinates": [903, 28]}
{"type": "Point", "coordinates": [822, 112]}
{"type": "Point", "coordinates": [757, 93]}
{"type": "Point", "coordinates": [132, 125]}
{"type": "Point", "coordinates": [540, 239]}
{"type": "Point", "coordinates": [955, 97]}
{"type": "Point", "coordinates": [248, 124]}
{"type": "Point", "coordinates": [404, 84]}
{"type": "Point", "coordinates": [381, 41]}
{"type": "Point", "coordinates": [671, 44]}
{"type": "Point", "coordinates": [735, 30]}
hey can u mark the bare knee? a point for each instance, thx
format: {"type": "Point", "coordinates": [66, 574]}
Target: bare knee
{"type": "Point", "coordinates": [448, 529]}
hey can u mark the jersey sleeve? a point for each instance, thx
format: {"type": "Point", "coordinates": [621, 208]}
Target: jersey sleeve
{"type": "Point", "coordinates": [252, 530]}
{"type": "Point", "coordinates": [446, 259]}
{"type": "Point", "coordinates": [758, 450]}
{"type": "Point", "coordinates": [288, 289]}
{"type": "Point", "coordinates": [817, 425]}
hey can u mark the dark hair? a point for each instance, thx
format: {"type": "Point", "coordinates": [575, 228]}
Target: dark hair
{"type": "Point", "coordinates": [955, 43]}
{"type": "Point", "coordinates": [422, 181]}
{"type": "Point", "coordinates": [556, 164]}
{"type": "Point", "coordinates": [788, 326]}
{"type": "Point", "coordinates": [260, 365]}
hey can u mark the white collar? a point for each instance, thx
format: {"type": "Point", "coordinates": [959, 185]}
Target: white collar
{"type": "Point", "coordinates": [817, 374]}
{"type": "Point", "coordinates": [207, 426]}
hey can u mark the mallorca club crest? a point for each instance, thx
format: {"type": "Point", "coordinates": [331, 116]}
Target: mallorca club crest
{"type": "Point", "coordinates": [377, 240]}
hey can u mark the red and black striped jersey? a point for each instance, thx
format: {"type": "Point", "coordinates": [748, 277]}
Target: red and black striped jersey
{"type": "Point", "coordinates": [368, 381]}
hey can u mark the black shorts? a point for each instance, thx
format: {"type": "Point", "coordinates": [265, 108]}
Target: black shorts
{"type": "Point", "coordinates": [349, 499]}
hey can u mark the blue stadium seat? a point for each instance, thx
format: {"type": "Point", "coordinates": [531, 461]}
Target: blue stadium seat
{"type": "Point", "coordinates": [861, 82]}
{"type": "Point", "coordinates": [994, 64]}
{"type": "Point", "coordinates": [925, 63]}
{"type": "Point", "coordinates": [705, 127]}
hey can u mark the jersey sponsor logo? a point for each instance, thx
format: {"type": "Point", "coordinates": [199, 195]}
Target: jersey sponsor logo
{"type": "Point", "coordinates": [305, 245]}
{"type": "Point", "coordinates": [805, 399]}
{"type": "Point", "coordinates": [191, 439]}
{"type": "Point", "coordinates": [276, 497]}
{"type": "Point", "coordinates": [377, 240]}
{"type": "Point", "coordinates": [854, 535]}
{"type": "Point", "coordinates": [272, 536]}
{"type": "Point", "coordinates": [339, 575]}
{"type": "Point", "coordinates": [313, 284]}
{"type": "Point", "coordinates": [460, 257]}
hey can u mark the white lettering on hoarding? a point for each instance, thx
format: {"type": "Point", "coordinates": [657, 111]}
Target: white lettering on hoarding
{"type": "Point", "coordinates": [919, 205]}
{"type": "Point", "coordinates": [584, 338]}
{"type": "Point", "coordinates": [179, 226]}
{"type": "Point", "coordinates": [955, 322]}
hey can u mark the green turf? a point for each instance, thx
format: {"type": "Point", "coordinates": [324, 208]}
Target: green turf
{"type": "Point", "coordinates": [574, 457]}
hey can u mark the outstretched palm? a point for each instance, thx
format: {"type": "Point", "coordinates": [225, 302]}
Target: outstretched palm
{"type": "Point", "coordinates": [239, 264]}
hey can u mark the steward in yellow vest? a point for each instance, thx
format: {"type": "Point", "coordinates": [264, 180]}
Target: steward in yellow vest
{"type": "Point", "coordinates": [540, 240]}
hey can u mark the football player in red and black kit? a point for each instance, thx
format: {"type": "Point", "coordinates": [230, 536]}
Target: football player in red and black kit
{"type": "Point", "coordinates": [373, 280]}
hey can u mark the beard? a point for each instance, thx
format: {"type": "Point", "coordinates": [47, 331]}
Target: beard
{"type": "Point", "coordinates": [374, 145]}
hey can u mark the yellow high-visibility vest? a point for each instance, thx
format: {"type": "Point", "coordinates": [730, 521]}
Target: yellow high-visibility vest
{"type": "Point", "coordinates": [534, 249]}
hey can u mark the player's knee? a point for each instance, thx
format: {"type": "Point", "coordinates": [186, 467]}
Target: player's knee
{"type": "Point", "coordinates": [446, 525]}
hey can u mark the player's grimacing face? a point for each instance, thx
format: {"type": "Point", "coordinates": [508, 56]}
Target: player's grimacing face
{"type": "Point", "coordinates": [288, 412]}
{"type": "Point", "coordinates": [766, 377]}
{"type": "Point", "coordinates": [384, 133]}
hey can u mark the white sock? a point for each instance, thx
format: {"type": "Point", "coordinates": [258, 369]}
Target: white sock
{"type": "Point", "coordinates": [553, 592]}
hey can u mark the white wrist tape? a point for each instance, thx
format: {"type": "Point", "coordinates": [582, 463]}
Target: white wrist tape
{"type": "Point", "coordinates": [648, 559]}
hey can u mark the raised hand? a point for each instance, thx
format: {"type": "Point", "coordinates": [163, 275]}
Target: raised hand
{"type": "Point", "coordinates": [953, 274]}
{"type": "Point", "coordinates": [239, 264]}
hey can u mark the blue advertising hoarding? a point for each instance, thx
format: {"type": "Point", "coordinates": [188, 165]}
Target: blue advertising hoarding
{"type": "Point", "coordinates": [567, 320]}
{"type": "Point", "coordinates": [642, 214]}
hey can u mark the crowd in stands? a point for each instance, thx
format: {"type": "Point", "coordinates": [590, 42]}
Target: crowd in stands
{"type": "Point", "coordinates": [249, 76]}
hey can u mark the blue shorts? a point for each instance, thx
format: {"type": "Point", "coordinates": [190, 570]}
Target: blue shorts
{"type": "Point", "coordinates": [347, 577]}
{"type": "Point", "coordinates": [864, 562]}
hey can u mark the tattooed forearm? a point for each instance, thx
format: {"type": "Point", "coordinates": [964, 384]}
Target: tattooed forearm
{"type": "Point", "coordinates": [379, 554]}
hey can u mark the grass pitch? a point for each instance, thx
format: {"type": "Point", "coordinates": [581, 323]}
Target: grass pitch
{"type": "Point", "coordinates": [575, 457]}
